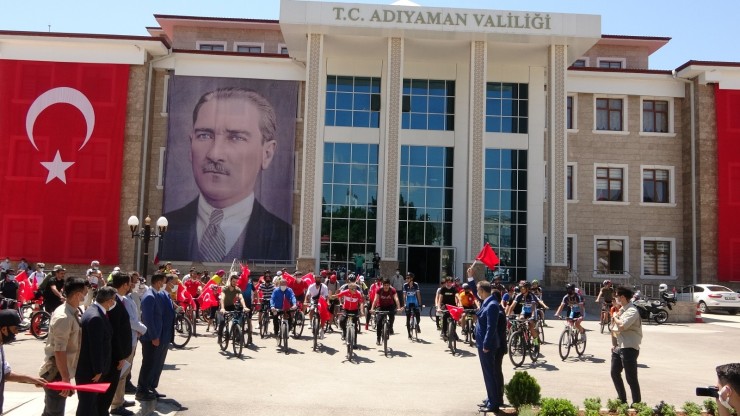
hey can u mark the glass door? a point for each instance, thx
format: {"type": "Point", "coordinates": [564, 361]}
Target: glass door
{"type": "Point", "coordinates": [447, 262]}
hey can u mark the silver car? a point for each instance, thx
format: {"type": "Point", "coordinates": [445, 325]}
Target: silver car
{"type": "Point", "coordinates": [711, 297]}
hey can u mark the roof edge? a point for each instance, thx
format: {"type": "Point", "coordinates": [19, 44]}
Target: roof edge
{"type": "Point", "coordinates": [708, 63]}
{"type": "Point", "coordinates": [231, 53]}
{"type": "Point", "coordinates": [622, 70]}
{"type": "Point", "coordinates": [222, 19]}
{"type": "Point", "coordinates": [85, 36]}
{"type": "Point", "coordinates": [647, 38]}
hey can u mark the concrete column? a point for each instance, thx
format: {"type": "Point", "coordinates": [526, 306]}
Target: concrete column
{"type": "Point", "coordinates": [310, 226]}
{"type": "Point", "coordinates": [388, 243]}
{"type": "Point", "coordinates": [476, 150]}
{"type": "Point", "coordinates": [556, 268]}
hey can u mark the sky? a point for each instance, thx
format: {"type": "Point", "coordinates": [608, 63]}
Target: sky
{"type": "Point", "coordinates": [708, 30]}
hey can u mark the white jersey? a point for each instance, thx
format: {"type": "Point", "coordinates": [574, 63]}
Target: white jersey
{"type": "Point", "coordinates": [314, 291]}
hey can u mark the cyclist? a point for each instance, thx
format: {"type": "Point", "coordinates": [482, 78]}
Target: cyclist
{"type": "Point", "coordinates": [574, 302]}
{"type": "Point", "coordinates": [607, 291]}
{"type": "Point", "coordinates": [314, 292]}
{"type": "Point", "coordinates": [194, 287]}
{"type": "Point", "coordinates": [466, 300]}
{"type": "Point", "coordinates": [537, 290]}
{"type": "Point", "coordinates": [282, 299]}
{"type": "Point", "coordinates": [385, 300]}
{"type": "Point", "coordinates": [508, 296]}
{"type": "Point", "coordinates": [496, 285]}
{"type": "Point", "coordinates": [333, 287]}
{"type": "Point", "coordinates": [299, 287]}
{"type": "Point", "coordinates": [230, 296]}
{"type": "Point", "coordinates": [267, 288]}
{"type": "Point", "coordinates": [525, 305]}
{"type": "Point", "coordinates": [351, 300]}
{"type": "Point", "coordinates": [412, 300]}
{"type": "Point", "coordinates": [446, 295]}
{"type": "Point", "coordinates": [377, 285]}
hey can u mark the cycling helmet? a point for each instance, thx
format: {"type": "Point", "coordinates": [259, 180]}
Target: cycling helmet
{"type": "Point", "coordinates": [663, 287]}
{"type": "Point", "coordinates": [352, 277]}
{"type": "Point", "coordinates": [528, 285]}
{"type": "Point", "coordinates": [465, 286]}
{"type": "Point", "coordinates": [570, 286]}
{"type": "Point", "coordinates": [535, 282]}
{"type": "Point", "coordinates": [279, 273]}
{"type": "Point", "coordinates": [606, 282]}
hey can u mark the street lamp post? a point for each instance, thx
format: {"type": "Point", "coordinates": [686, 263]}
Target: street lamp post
{"type": "Point", "coordinates": [145, 234]}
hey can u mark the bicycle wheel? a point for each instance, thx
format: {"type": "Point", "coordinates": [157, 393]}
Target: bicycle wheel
{"type": "Point", "coordinates": [516, 348]}
{"type": "Point", "coordinates": [264, 325]}
{"type": "Point", "coordinates": [374, 323]}
{"type": "Point", "coordinates": [300, 321]}
{"type": "Point", "coordinates": [247, 329]}
{"type": "Point", "coordinates": [223, 337]}
{"type": "Point", "coordinates": [26, 312]}
{"type": "Point", "coordinates": [534, 350]}
{"type": "Point", "coordinates": [580, 343]}
{"type": "Point", "coordinates": [452, 337]}
{"type": "Point", "coordinates": [237, 340]}
{"type": "Point", "coordinates": [541, 330]}
{"type": "Point", "coordinates": [603, 322]}
{"type": "Point", "coordinates": [564, 344]}
{"type": "Point", "coordinates": [433, 313]}
{"type": "Point", "coordinates": [350, 341]}
{"type": "Point", "coordinates": [284, 335]}
{"type": "Point", "coordinates": [183, 331]}
{"type": "Point", "coordinates": [414, 330]}
{"type": "Point", "coordinates": [40, 324]}
{"type": "Point", "coordinates": [385, 338]}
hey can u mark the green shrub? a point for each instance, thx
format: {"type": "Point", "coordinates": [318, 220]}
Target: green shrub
{"type": "Point", "coordinates": [592, 403]}
{"type": "Point", "coordinates": [592, 412]}
{"type": "Point", "coordinates": [527, 410]}
{"type": "Point", "coordinates": [613, 405]}
{"type": "Point", "coordinates": [623, 409]}
{"type": "Point", "coordinates": [711, 406]}
{"type": "Point", "coordinates": [692, 409]}
{"type": "Point", "coordinates": [665, 409]}
{"type": "Point", "coordinates": [641, 406]}
{"type": "Point", "coordinates": [557, 407]}
{"type": "Point", "coordinates": [522, 389]}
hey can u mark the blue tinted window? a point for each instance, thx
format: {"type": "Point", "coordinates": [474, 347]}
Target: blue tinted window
{"type": "Point", "coordinates": [343, 118]}
{"type": "Point", "coordinates": [357, 97]}
{"type": "Point", "coordinates": [511, 101]}
{"type": "Point", "coordinates": [428, 104]}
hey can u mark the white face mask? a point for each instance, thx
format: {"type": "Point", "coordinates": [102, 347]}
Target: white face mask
{"type": "Point", "coordinates": [724, 397]}
{"type": "Point", "coordinates": [283, 288]}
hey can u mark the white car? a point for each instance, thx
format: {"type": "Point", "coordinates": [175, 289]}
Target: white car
{"type": "Point", "coordinates": [711, 297]}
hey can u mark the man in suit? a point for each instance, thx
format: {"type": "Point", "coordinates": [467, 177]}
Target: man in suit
{"type": "Point", "coordinates": [157, 315]}
{"type": "Point", "coordinates": [490, 336]}
{"type": "Point", "coordinates": [95, 365]}
{"type": "Point", "coordinates": [232, 141]}
{"type": "Point", "coordinates": [123, 343]}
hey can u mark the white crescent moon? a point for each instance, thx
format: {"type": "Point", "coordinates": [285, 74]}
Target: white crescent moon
{"type": "Point", "coordinates": [61, 95]}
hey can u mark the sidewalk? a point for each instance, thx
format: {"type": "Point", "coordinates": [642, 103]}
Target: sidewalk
{"type": "Point", "coordinates": [32, 403]}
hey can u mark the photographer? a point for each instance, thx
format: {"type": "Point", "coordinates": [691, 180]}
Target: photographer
{"type": "Point", "coordinates": [728, 384]}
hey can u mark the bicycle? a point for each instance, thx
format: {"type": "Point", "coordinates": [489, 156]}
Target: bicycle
{"type": "Point", "coordinates": [383, 327]}
{"type": "Point", "coordinates": [315, 325]}
{"type": "Point", "coordinates": [299, 321]}
{"type": "Point", "coordinates": [236, 332]}
{"type": "Point", "coordinates": [606, 316]}
{"type": "Point", "coordinates": [451, 335]}
{"type": "Point", "coordinates": [433, 312]}
{"type": "Point", "coordinates": [469, 327]}
{"type": "Point", "coordinates": [540, 325]}
{"type": "Point", "coordinates": [283, 329]}
{"type": "Point", "coordinates": [521, 343]}
{"type": "Point", "coordinates": [571, 338]}
{"type": "Point", "coordinates": [264, 319]}
{"type": "Point", "coordinates": [224, 333]}
{"type": "Point", "coordinates": [183, 329]}
{"type": "Point", "coordinates": [413, 327]}
{"type": "Point", "coordinates": [39, 325]}
{"type": "Point", "coordinates": [352, 326]}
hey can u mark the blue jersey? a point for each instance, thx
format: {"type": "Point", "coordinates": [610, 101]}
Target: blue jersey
{"type": "Point", "coordinates": [410, 291]}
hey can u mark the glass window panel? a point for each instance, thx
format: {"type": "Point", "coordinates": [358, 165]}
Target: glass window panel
{"type": "Point", "coordinates": [345, 84]}
{"type": "Point", "coordinates": [417, 176]}
{"type": "Point", "coordinates": [433, 234]}
{"type": "Point", "coordinates": [339, 230]}
{"type": "Point", "coordinates": [344, 118]}
{"type": "Point", "coordinates": [359, 174]}
{"type": "Point", "coordinates": [507, 125]}
{"type": "Point", "coordinates": [435, 156]}
{"type": "Point", "coordinates": [360, 153]}
{"type": "Point", "coordinates": [449, 178]}
{"type": "Point", "coordinates": [451, 88]}
{"type": "Point", "coordinates": [523, 108]}
{"type": "Point", "coordinates": [362, 84]}
{"type": "Point", "coordinates": [341, 173]}
{"type": "Point", "coordinates": [361, 102]}
{"type": "Point", "coordinates": [435, 177]}
{"type": "Point", "coordinates": [372, 231]}
{"type": "Point", "coordinates": [326, 192]}
{"type": "Point", "coordinates": [508, 180]}
{"type": "Point", "coordinates": [493, 90]}
{"type": "Point", "coordinates": [418, 121]}
{"type": "Point", "coordinates": [492, 200]}
{"type": "Point", "coordinates": [330, 114]}
{"type": "Point", "coordinates": [344, 101]}
{"type": "Point", "coordinates": [372, 199]}
{"type": "Point", "coordinates": [419, 87]}
{"type": "Point", "coordinates": [493, 158]}
{"type": "Point", "coordinates": [448, 198]}
{"type": "Point", "coordinates": [342, 152]}
{"type": "Point", "coordinates": [402, 232]}
{"type": "Point", "coordinates": [493, 179]}
{"type": "Point", "coordinates": [328, 152]}
{"type": "Point", "coordinates": [615, 120]}
{"type": "Point", "coordinates": [523, 91]}
{"type": "Point", "coordinates": [331, 100]}
{"type": "Point", "coordinates": [448, 215]}
{"type": "Point", "coordinates": [375, 88]}
{"type": "Point", "coordinates": [328, 173]}
{"type": "Point", "coordinates": [661, 123]}
{"type": "Point", "coordinates": [435, 197]}
{"type": "Point", "coordinates": [375, 119]}
{"type": "Point", "coordinates": [437, 87]}
{"type": "Point", "coordinates": [615, 173]}
{"type": "Point", "coordinates": [419, 104]}
{"type": "Point", "coordinates": [436, 105]}
{"type": "Point", "coordinates": [450, 105]}
{"type": "Point", "coordinates": [507, 159]}
{"type": "Point", "coordinates": [416, 196]}
{"type": "Point", "coordinates": [436, 122]}
{"type": "Point", "coordinates": [359, 193]}
{"type": "Point", "coordinates": [417, 155]}
{"type": "Point", "coordinates": [360, 119]}
{"type": "Point", "coordinates": [416, 232]}
{"type": "Point", "coordinates": [507, 198]}
{"type": "Point", "coordinates": [405, 121]}
{"type": "Point", "coordinates": [493, 124]}
{"type": "Point", "coordinates": [493, 107]}
{"type": "Point", "coordinates": [339, 196]}
{"type": "Point", "coordinates": [508, 108]}
{"type": "Point", "coordinates": [404, 177]}
{"type": "Point", "coordinates": [331, 83]}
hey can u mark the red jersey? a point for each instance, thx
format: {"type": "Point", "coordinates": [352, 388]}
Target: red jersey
{"type": "Point", "coordinates": [350, 301]}
{"type": "Point", "coordinates": [373, 290]}
{"type": "Point", "coordinates": [192, 286]}
{"type": "Point", "coordinates": [385, 299]}
{"type": "Point", "coordinates": [299, 288]}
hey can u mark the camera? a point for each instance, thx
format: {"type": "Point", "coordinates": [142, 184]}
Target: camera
{"type": "Point", "coordinates": [710, 391]}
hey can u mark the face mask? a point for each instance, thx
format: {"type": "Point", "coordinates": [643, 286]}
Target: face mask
{"type": "Point", "coordinates": [174, 289]}
{"type": "Point", "coordinates": [724, 397]}
{"type": "Point", "coordinates": [283, 288]}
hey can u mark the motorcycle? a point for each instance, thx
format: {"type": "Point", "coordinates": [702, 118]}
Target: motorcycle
{"type": "Point", "coordinates": [656, 310]}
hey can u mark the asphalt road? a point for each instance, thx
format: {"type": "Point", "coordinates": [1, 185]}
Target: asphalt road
{"type": "Point", "coordinates": [416, 378]}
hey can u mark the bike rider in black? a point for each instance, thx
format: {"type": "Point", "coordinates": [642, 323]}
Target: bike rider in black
{"type": "Point", "coordinates": [446, 295]}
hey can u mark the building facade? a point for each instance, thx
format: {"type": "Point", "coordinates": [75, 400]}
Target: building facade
{"type": "Point", "coordinates": [422, 133]}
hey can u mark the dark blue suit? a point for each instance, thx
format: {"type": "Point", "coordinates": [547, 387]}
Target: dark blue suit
{"type": "Point", "coordinates": [490, 334]}
{"type": "Point", "coordinates": [158, 316]}
{"type": "Point", "coordinates": [95, 358]}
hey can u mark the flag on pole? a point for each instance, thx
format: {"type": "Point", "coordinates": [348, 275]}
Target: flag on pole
{"type": "Point", "coordinates": [455, 312]}
{"type": "Point", "coordinates": [488, 257]}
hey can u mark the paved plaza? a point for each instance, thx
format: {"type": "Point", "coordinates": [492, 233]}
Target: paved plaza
{"type": "Point", "coordinates": [418, 378]}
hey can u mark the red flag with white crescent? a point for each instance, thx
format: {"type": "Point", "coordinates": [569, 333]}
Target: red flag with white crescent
{"type": "Point", "coordinates": [62, 139]}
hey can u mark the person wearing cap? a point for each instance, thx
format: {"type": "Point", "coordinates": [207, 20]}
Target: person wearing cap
{"type": "Point", "coordinates": [351, 300]}
{"type": "Point", "coordinates": [63, 346]}
{"type": "Point", "coordinates": [9, 321]}
{"type": "Point", "coordinates": [266, 288]}
{"type": "Point", "coordinates": [281, 300]}
{"type": "Point", "coordinates": [53, 291]}
{"type": "Point", "coordinates": [38, 275]}
{"type": "Point", "coordinates": [386, 299]}
{"type": "Point", "coordinates": [466, 300]}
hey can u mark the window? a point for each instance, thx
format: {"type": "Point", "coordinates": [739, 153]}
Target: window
{"type": "Point", "coordinates": [428, 104]}
{"type": "Point", "coordinates": [282, 49]}
{"type": "Point", "coordinates": [569, 112]}
{"type": "Point", "coordinates": [349, 203]}
{"type": "Point", "coordinates": [611, 63]}
{"type": "Point", "coordinates": [211, 46]}
{"type": "Point", "coordinates": [505, 210]}
{"type": "Point", "coordinates": [425, 197]}
{"type": "Point", "coordinates": [656, 186]}
{"type": "Point", "coordinates": [610, 184]}
{"type": "Point", "coordinates": [610, 255]}
{"type": "Point", "coordinates": [352, 101]}
{"type": "Point", "coordinates": [580, 63]}
{"type": "Point", "coordinates": [570, 182]}
{"type": "Point", "coordinates": [570, 251]}
{"type": "Point", "coordinates": [655, 116]}
{"type": "Point", "coordinates": [507, 107]}
{"type": "Point", "coordinates": [248, 48]}
{"type": "Point", "coordinates": [609, 114]}
{"type": "Point", "coordinates": [656, 257]}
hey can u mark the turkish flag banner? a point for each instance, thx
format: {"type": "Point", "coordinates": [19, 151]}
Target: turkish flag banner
{"type": "Point", "coordinates": [488, 257]}
{"type": "Point", "coordinates": [62, 143]}
{"type": "Point", "coordinates": [89, 388]}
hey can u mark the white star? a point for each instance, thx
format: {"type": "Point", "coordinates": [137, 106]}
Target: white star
{"type": "Point", "coordinates": [56, 168]}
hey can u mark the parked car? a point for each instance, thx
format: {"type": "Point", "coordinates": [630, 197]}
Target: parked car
{"type": "Point", "coordinates": [711, 297]}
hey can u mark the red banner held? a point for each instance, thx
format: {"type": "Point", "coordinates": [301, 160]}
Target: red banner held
{"type": "Point", "coordinates": [488, 257]}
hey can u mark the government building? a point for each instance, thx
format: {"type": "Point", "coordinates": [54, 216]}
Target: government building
{"type": "Point", "coordinates": [416, 133]}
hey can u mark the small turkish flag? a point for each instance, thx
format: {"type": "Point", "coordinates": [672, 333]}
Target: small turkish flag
{"type": "Point", "coordinates": [488, 257]}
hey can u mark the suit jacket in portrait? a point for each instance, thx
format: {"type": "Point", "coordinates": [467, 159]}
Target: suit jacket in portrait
{"type": "Point", "coordinates": [121, 341]}
{"type": "Point", "coordinates": [265, 236]}
{"type": "Point", "coordinates": [490, 328]}
{"type": "Point", "coordinates": [95, 346]}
